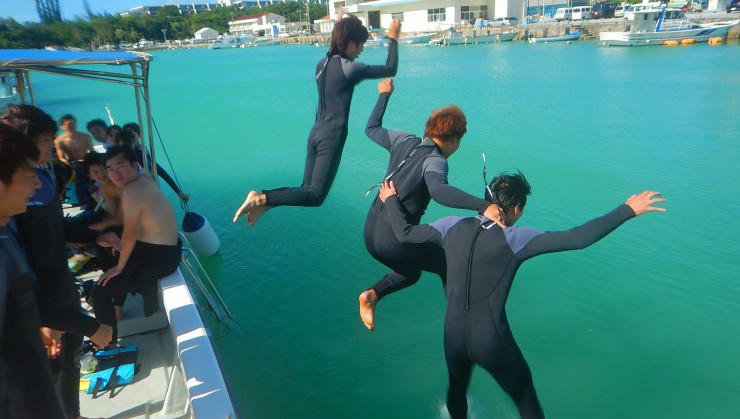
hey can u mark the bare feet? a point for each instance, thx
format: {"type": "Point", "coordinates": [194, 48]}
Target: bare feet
{"type": "Point", "coordinates": [368, 301]}
{"type": "Point", "coordinates": [254, 200]}
{"type": "Point", "coordinates": [255, 214]}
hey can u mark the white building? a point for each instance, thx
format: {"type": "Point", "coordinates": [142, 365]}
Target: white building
{"type": "Point", "coordinates": [268, 23]}
{"type": "Point", "coordinates": [427, 15]}
{"type": "Point", "coordinates": [325, 24]}
{"type": "Point", "coordinates": [206, 33]}
{"type": "Point", "coordinates": [718, 5]}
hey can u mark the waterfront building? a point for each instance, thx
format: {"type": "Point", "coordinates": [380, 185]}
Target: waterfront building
{"type": "Point", "coordinates": [248, 24]}
{"type": "Point", "coordinates": [436, 15]}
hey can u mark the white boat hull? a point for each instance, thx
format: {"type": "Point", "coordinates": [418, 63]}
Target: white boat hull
{"type": "Point", "coordinates": [630, 39]}
{"type": "Point", "coordinates": [467, 40]}
{"type": "Point", "coordinates": [570, 37]}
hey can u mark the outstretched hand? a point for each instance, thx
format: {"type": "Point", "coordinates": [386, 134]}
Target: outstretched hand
{"type": "Point", "coordinates": [642, 202]}
{"type": "Point", "coordinates": [386, 86]}
{"type": "Point", "coordinates": [395, 29]}
{"type": "Point", "coordinates": [386, 189]}
{"type": "Point", "coordinates": [340, 15]}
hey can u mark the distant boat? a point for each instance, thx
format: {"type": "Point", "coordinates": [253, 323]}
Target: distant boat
{"type": "Point", "coordinates": [231, 41]}
{"type": "Point", "coordinates": [422, 38]}
{"type": "Point", "coordinates": [459, 39]}
{"type": "Point", "coordinates": [573, 36]}
{"type": "Point", "coordinates": [262, 41]}
{"type": "Point", "coordinates": [646, 32]}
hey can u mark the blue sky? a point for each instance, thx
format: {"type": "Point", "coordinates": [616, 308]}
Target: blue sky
{"type": "Point", "coordinates": [25, 10]}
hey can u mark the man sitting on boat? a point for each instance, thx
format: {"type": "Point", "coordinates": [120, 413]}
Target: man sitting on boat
{"type": "Point", "coordinates": [97, 128]}
{"type": "Point", "coordinates": [149, 247]}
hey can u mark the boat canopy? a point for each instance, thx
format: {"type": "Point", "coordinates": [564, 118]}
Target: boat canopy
{"type": "Point", "coordinates": [15, 58]}
{"type": "Point", "coordinates": [126, 68]}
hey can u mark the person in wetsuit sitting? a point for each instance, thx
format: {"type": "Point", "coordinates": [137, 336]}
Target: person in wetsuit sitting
{"type": "Point", "coordinates": [483, 257]}
{"type": "Point", "coordinates": [336, 77]}
{"type": "Point", "coordinates": [149, 247]}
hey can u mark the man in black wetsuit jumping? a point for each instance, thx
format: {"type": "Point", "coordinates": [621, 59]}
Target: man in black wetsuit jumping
{"type": "Point", "coordinates": [483, 257]}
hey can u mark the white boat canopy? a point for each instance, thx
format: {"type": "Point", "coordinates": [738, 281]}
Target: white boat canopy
{"type": "Point", "coordinates": [127, 68]}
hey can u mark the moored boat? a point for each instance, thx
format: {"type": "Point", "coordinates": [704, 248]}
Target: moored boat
{"type": "Point", "coordinates": [574, 36]}
{"type": "Point", "coordinates": [648, 30]}
{"type": "Point", "coordinates": [458, 38]}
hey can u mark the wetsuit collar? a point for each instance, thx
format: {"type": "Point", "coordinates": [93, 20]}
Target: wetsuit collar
{"type": "Point", "coordinates": [429, 142]}
{"type": "Point", "coordinates": [485, 222]}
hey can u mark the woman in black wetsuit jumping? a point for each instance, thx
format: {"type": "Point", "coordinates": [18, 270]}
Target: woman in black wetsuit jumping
{"type": "Point", "coordinates": [336, 77]}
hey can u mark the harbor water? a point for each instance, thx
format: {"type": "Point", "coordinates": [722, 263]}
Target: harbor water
{"type": "Point", "coordinates": [642, 325]}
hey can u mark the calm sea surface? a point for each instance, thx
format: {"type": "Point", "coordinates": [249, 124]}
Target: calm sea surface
{"type": "Point", "coordinates": [642, 325]}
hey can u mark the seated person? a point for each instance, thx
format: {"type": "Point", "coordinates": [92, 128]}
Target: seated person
{"type": "Point", "coordinates": [483, 257]}
{"type": "Point", "coordinates": [107, 197]}
{"type": "Point", "coordinates": [149, 247]}
{"type": "Point", "coordinates": [111, 133]}
{"type": "Point", "coordinates": [97, 128]}
{"type": "Point", "coordinates": [130, 136]}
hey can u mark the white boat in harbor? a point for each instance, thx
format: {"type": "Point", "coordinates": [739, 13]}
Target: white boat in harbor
{"type": "Point", "coordinates": [178, 374]}
{"type": "Point", "coordinates": [262, 41]}
{"type": "Point", "coordinates": [231, 41]}
{"type": "Point", "coordinates": [648, 29]}
{"type": "Point", "coordinates": [574, 36]}
{"type": "Point", "coordinates": [458, 38]}
{"type": "Point", "coordinates": [422, 38]}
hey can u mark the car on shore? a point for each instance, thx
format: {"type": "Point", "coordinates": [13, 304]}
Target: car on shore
{"type": "Point", "coordinates": [504, 21]}
{"type": "Point", "coordinates": [734, 6]}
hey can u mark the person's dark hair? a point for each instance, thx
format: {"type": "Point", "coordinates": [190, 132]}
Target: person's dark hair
{"type": "Point", "coordinates": [348, 29]}
{"type": "Point", "coordinates": [125, 137]}
{"type": "Point", "coordinates": [65, 118]}
{"type": "Point", "coordinates": [29, 120]}
{"type": "Point", "coordinates": [93, 159]}
{"type": "Point", "coordinates": [109, 130]}
{"type": "Point", "coordinates": [509, 190]}
{"type": "Point", "coordinates": [16, 151]}
{"type": "Point", "coordinates": [446, 123]}
{"type": "Point", "coordinates": [97, 123]}
{"type": "Point", "coordinates": [121, 150]}
{"type": "Point", "coordinates": [132, 126]}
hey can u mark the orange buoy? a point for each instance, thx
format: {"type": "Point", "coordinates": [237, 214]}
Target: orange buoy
{"type": "Point", "coordinates": [715, 41]}
{"type": "Point", "coordinates": [670, 43]}
{"type": "Point", "coordinates": [688, 41]}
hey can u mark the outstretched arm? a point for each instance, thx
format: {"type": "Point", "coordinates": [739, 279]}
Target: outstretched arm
{"type": "Point", "coordinates": [435, 177]}
{"type": "Point", "coordinates": [410, 233]}
{"type": "Point", "coordinates": [358, 71]}
{"type": "Point", "coordinates": [374, 129]}
{"type": "Point", "coordinates": [589, 233]}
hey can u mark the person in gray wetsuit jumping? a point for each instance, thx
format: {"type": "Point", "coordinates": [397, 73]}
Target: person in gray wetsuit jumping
{"type": "Point", "coordinates": [336, 77]}
{"type": "Point", "coordinates": [483, 257]}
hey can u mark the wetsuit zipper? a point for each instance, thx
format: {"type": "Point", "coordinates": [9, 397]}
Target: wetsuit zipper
{"type": "Point", "coordinates": [470, 269]}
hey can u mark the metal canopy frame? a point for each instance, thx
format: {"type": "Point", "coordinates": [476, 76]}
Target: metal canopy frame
{"type": "Point", "coordinates": [70, 64]}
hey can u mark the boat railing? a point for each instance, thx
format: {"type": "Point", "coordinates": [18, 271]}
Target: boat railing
{"type": "Point", "coordinates": [197, 274]}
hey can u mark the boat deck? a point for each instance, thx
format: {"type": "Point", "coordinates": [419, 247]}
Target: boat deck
{"type": "Point", "coordinates": [145, 396]}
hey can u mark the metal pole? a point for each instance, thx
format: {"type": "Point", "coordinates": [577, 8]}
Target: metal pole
{"type": "Point", "coordinates": [138, 118]}
{"type": "Point", "coordinates": [145, 73]}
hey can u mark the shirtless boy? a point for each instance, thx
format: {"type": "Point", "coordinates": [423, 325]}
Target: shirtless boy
{"type": "Point", "coordinates": [149, 247]}
{"type": "Point", "coordinates": [72, 145]}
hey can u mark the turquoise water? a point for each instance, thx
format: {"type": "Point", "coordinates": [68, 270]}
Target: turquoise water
{"type": "Point", "coordinates": [641, 325]}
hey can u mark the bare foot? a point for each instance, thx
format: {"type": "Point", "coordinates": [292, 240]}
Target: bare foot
{"type": "Point", "coordinates": [254, 200]}
{"type": "Point", "coordinates": [255, 214]}
{"type": "Point", "coordinates": [368, 301]}
{"type": "Point", "coordinates": [119, 312]}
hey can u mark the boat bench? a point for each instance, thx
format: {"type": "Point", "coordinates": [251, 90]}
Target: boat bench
{"type": "Point", "coordinates": [135, 322]}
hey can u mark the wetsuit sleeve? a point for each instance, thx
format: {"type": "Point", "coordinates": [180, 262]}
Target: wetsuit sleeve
{"type": "Point", "coordinates": [55, 316]}
{"type": "Point", "coordinates": [435, 177]}
{"type": "Point", "coordinates": [167, 178]}
{"type": "Point", "coordinates": [356, 72]}
{"type": "Point", "coordinates": [374, 129]}
{"type": "Point", "coordinates": [576, 238]}
{"type": "Point", "coordinates": [424, 233]}
{"type": "Point", "coordinates": [77, 233]}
